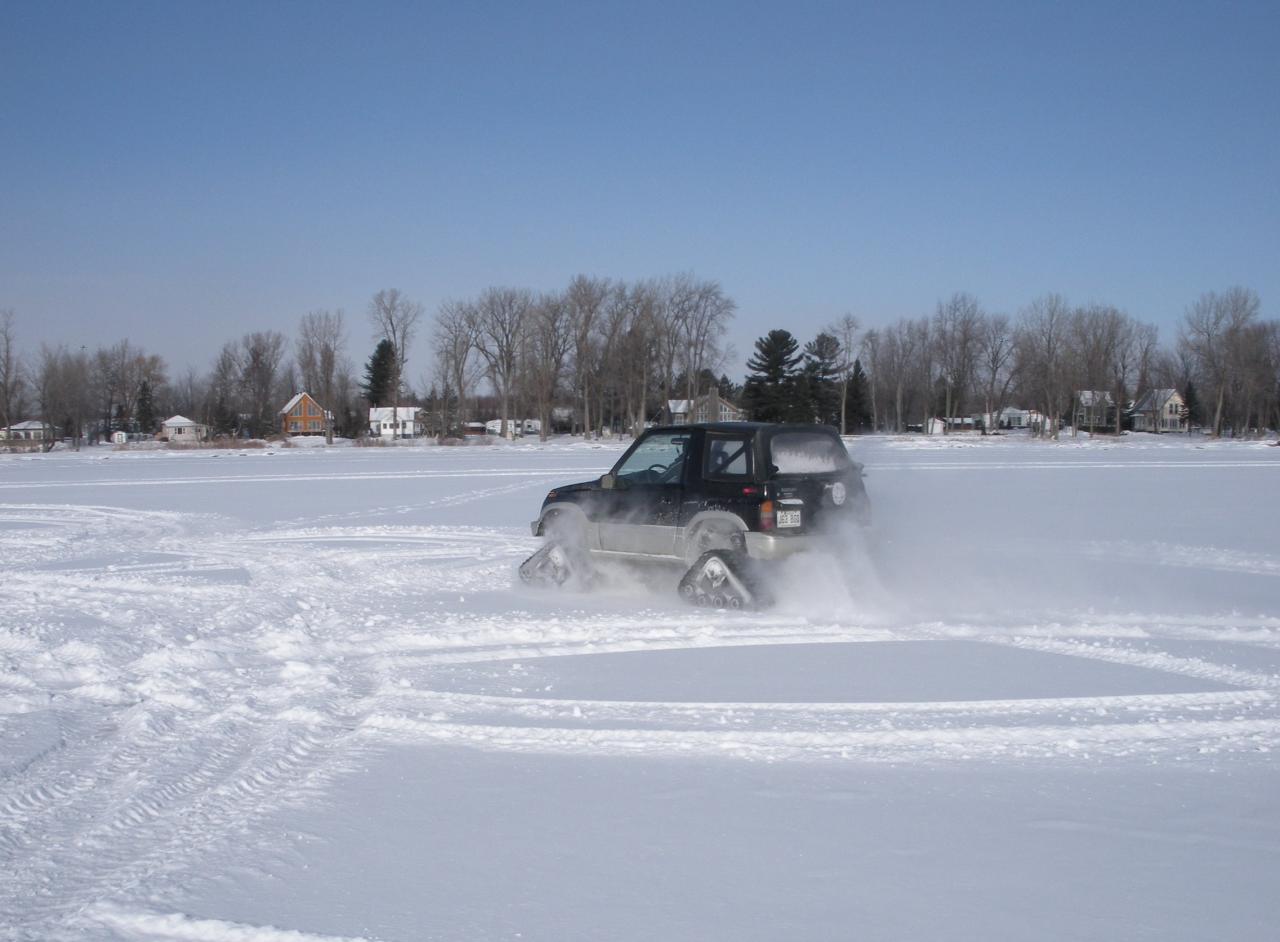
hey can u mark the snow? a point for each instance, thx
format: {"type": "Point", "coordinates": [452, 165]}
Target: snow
{"type": "Point", "coordinates": [294, 694]}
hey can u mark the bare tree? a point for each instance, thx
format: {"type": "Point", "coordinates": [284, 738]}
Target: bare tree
{"type": "Point", "coordinates": [501, 317]}
{"type": "Point", "coordinates": [1044, 356]}
{"type": "Point", "coordinates": [637, 329]}
{"type": "Point", "coordinates": [549, 340]}
{"type": "Point", "coordinates": [396, 318]}
{"type": "Point", "coordinates": [226, 401]}
{"type": "Point", "coordinates": [845, 330]}
{"type": "Point", "coordinates": [63, 390]}
{"type": "Point", "coordinates": [1135, 343]}
{"type": "Point", "coordinates": [189, 395]}
{"type": "Point", "coordinates": [611, 329]}
{"type": "Point", "coordinates": [258, 359]}
{"type": "Point", "coordinates": [897, 355]}
{"type": "Point", "coordinates": [585, 300]}
{"type": "Point", "coordinates": [704, 315]}
{"type": "Point", "coordinates": [320, 345]}
{"type": "Point", "coordinates": [870, 348]}
{"type": "Point", "coordinates": [1211, 332]}
{"type": "Point", "coordinates": [923, 368]}
{"type": "Point", "coordinates": [118, 375]}
{"type": "Point", "coordinates": [456, 337]}
{"type": "Point", "coordinates": [955, 334]}
{"type": "Point", "coordinates": [11, 375]}
{"type": "Point", "coordinates": [995, 364]}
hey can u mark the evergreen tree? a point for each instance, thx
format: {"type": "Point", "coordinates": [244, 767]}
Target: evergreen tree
{"type": "Point", "coordinates": [224, 420]}
{"type": "Point", "coordinates": [729, 389]}
{"type": "Point", "coordinates": [770, 389]}
{"type": "Point", "coordinates": [821, 382]}
{"type": "Point", "coordinates": [379, 374]}
{"type": "Point", "coordinates": [1193, 405]}
{"type": "Point", "coordinates": [858, 399]}
{"type": "Point", "coordinates": [145, 410]}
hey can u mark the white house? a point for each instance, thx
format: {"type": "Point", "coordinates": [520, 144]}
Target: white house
{"type": "Point", "coordinates": [1160, 410]}
{"type": "Point", "coordinates": [515, 427]}
{"type": "Point", "coordinates": [178, 428]}
{"type": "Point", "coordinates": [393, 422]}
{"type": "Point", "coordinates": [1010, 418]}
{"type": "Point", "coordinates": [31, 430]}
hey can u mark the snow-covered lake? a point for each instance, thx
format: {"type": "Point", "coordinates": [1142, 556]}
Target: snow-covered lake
{"type": "Point", "coordinates": [294, 694]}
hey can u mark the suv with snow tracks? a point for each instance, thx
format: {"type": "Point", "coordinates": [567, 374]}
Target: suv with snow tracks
{"type": "Point", "coordinates": [724, 500]}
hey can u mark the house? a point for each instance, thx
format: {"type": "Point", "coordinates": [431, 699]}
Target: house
{"type": "Point", "coordinates": [302, 415]}
{"type": "Point", "coordinates": [1160, 410]}
{"type": "Point", "coordinates": [1011, 418]}
{"type": "Point", "coordinates": [709, 407]}
{"type": "Point", "coordinates": [28, 436]}
{"type": "Point", "coordinates": [1094, 410]}
{"type": "Point", "coordinates": [515, 427]}
{"type": "Point", "coordinates": [178, 428]}
{"type": "Point", "coordinates": [31, 430]}
{"type": "Point", "coordinates": [394, 422]}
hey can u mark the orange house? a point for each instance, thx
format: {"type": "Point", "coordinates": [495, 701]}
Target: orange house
{"type": "Point", "coordinates": [302, 415]}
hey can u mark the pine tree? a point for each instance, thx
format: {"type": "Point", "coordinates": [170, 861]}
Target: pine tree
{"type": "Point", "coordinates": [821, 382]}
{"type": "Point", "coordinates": [858, 399]}
{"type": "Point", "coordinates": [729, 389]}
{"type": "Point", "coordinates": [770, 389]}
{"type": "Point", "coordinates": [145, 410]}
{"type": "Point", "coordinates": [224, 420]}
{"type": "Point", "coordinates": [379, 374]}
{"type": "Point", "coordinates": [1192, 399]}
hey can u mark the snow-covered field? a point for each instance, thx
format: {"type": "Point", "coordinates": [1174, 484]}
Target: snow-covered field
{"type": "Point", "coordinates": [295, 695]}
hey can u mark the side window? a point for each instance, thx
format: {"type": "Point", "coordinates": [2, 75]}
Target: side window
{"type": "Point", "coordinates": [727, 457]}
{"type": "Point", "coordinates": [658, 459]}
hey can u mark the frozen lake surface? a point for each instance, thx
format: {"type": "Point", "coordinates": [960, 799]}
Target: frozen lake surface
{"type": "Point", "coordinates": [294, 694]}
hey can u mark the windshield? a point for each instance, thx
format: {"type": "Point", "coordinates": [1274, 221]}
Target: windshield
{"type": "Point", "coordinates": [808, 453]}
{"type": "Point", "coordinates": [658, 459]}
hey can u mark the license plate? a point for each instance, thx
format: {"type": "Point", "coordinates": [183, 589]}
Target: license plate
{"type": "Point", "coordinates": [788, 518]}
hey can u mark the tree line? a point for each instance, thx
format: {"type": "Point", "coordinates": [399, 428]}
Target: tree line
{"type": "Point", "coordinates": [606, 349]}
{"type": "Point", "coordinates": [963, 361]}
{"type": "Point", "coordinates": [605, 355]}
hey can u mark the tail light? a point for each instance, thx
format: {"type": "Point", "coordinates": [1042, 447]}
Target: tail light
{"type": "Point", "coordinates": [768, 516]}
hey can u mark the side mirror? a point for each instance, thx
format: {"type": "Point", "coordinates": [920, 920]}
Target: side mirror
{"type": "Point", "coordinates": [607, 482]}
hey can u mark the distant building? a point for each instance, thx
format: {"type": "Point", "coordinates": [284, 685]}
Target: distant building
{"type": "Point", "coordinates": [1160, 410]}
{"type": "Point", "coordinates": [1011, 418]}
{"type": "Point", "coordinates": [178, 428]}
{"type": "Point", "coordinates": [31, 430]}
{"type": "Point", "coordinates": [28, 436]}
{"type": "Point", "coordinates": [709, 407]}
{"type": "Point", "coordinates": [392, 422]}
{"type": "Point", "coordinates": [1094, 410]}
{"type": "Point", "coordinates": [302, 415]}
{"type": "Point", "coordinates": [515, 427]}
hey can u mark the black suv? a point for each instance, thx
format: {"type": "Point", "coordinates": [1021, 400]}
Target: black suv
{"type": "Point", "coordinates": [719, 498]}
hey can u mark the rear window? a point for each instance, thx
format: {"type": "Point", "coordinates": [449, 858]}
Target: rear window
{"type": "Point", "coordinates": [807, 453]}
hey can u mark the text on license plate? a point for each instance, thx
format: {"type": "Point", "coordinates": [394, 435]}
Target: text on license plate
{"type": "Point", "coordinates": [788, 518]}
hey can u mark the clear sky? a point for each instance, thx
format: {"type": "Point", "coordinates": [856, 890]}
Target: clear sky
{"type": "Point", "coordinates": [180, 173]}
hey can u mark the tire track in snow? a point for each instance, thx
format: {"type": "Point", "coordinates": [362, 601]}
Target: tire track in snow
{"type": "Point", "coordinates": [188, 712]}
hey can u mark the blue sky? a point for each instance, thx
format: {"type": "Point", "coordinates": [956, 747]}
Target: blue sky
{"type": "Point", "coordinates": [180, 173]}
